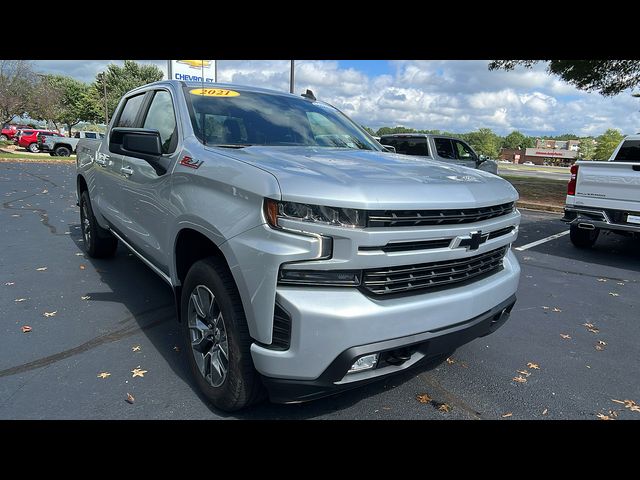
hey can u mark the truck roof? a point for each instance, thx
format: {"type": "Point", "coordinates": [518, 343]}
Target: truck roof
{"type": "Point", "coordinates": [234, 86]}
{"type": "Point", "coordinates": [417, 135]}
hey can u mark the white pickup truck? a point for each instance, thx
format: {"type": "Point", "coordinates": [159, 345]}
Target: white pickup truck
{"type": "Point", "coordinates": [65, 146]}
{"type": "Point", "coordinates": [605, 195]}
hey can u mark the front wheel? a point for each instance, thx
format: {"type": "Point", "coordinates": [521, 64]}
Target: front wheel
{"type": "Point", "coordinates": [3, 138]}
{"type": "Point", "coordinates": [583, 238]}
{"type": "Point", "coordinates": [62, 152]}
{"type": "Point", "coordinates": [215, 331]}
{"type": "Point", "coordinates": [98, 241]}
{"type": "Point", "coordinates": [33, 148]}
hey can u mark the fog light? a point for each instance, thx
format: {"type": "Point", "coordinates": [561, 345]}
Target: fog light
{"type": "Point", "coordinates": [364, 363]}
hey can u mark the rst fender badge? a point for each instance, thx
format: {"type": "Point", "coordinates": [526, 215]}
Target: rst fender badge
{"type": "Point", "coordinates": [190, 162]}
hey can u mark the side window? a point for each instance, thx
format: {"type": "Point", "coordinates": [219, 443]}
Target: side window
{"type": "Point", "coordinates": [90, 135]}
{"type": "Point", "coordinates": [463, 151]}
{"type": "Point", "coordinates": [444, 148]}
{"type": "Point", "coordinates": [130, 111]}
{"type": "Point", "coordinates": [629, 152]}
{"type": "Point", "coordinates": [161, 117]}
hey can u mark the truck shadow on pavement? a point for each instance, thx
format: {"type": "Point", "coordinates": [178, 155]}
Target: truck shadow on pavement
{"type": "Point", "coordinates": [150, 301]}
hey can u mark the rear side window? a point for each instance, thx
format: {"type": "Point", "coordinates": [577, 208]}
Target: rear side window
{"type": "Point", "coordinates": [409, 145]}
{"type": "Point", "coordinates": [629, 152]}
{"type": "Point", "coordinates": [463, 150]}
{"type": "Point", "coordinates": [444, 148]}
{"type": "Point", "coordinates": [161, 117]}
{"type": "Point", "coordinates": [130, 111]}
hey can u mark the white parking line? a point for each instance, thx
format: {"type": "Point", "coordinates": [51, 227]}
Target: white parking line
{"type": "Point", "coordinates": [544, 240]}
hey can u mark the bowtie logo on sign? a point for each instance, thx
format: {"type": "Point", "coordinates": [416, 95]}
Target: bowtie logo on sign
{"type": "Point", "coordinates": [193, 70]}
{"type": "Point", "coordinates": [198, 64]}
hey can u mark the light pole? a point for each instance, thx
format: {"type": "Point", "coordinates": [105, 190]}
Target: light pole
{"type": "Point", "coordinates": [292, 76]}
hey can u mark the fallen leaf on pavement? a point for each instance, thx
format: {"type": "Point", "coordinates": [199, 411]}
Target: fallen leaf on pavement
{"type": "Point", "coordinates": [630, 404]}
{"type": "Point", "coordinates": [424, 398]}
{"type": "Point", "coordinates": [613, 294]}
{"type": "Point", "coordinates": [600, 342]}
{"type": "Point", "coordinates": [602, 279]}
{"type": "Point", "coordinates": [620, 283]}
{"type": "Point", "coordinates": [507, 415]}
{"type": "Point", "coordinates": [386, 408]}
{"type": "Point", "coordinates": [79, 254]}
{"type": "Point", "coordinates": [593, 330]}
{"type": "Point", "coordinates": [9, 283]}
{"type": "Point", "coordinates": [176, 348]}
{"type": "Point", "coordinates": [18, 300]}
{"type": "Point", "coordinates": [15, 216]}
{"type": "Point", "coordinates": [545, 308]}
{"type": "Point", "coordinates": [524, 372]}
{"type": "Point", "coordinates": [82, 267]}
{"type": "Point", "coordinates": [45, 191]}
{"type": "Point", "coordinates": [41, 269]}
{"type": "Point", "coordinates": [589, 325]}
{"type": "Point", "coordinates": [138, 372]}
{"type": "Point", "coordinates": [130, 398]}
{"type": "Point", "coordinates": [599, 347]}
{"type": "Point", "coordinates": [604, 417]}
{"type": "Point", "coordinates": [556, 309]}
{"type": "Point", "coordinates": [135, 348]}
{"type": "Point", "coordinates": [520, 379]}
{"type": "Point", "coordinates": [444, 408]}
{"type": "Point", "coordinates": [545, 411]}
{"type": "Point", "coordinates": [617, 401]}
{"type": "Point", "coordinates": [50, 314]}
{"type": "Point", "coordinates": [534, 366]}
{"type": "Point", "coordinates": [26, 329]}
{"type": "Point", "coordinates": [565, 336]}
{"type": "Point", "coordinates": [527, 258]}
{"type": "Point", "coordinates": [104, 375]}
{"type": "Point", "coordinates": [86, 297]}
{"type": "Point", "coordinates": [450, 361]}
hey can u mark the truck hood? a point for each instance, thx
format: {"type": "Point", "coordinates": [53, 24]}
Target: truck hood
{"type": "Point", "coordinates": [374, 180]}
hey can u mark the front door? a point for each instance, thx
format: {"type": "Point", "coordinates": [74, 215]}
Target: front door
{"type": "Point", "coordinates": [464, 154]}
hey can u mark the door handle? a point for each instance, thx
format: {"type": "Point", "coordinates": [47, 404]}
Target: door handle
{"type": "Point", "coordinates": [101, 162]}
{"type": "Point", "coordinates": [126, 171]}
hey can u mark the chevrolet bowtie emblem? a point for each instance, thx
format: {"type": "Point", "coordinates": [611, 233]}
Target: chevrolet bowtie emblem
{"type": "Point", "coordinates": [475, 240]}
{"type": "Point", "coordinates": [196, 63]}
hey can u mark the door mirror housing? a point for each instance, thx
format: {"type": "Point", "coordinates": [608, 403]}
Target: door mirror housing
{"type": "Point", "coordinates": [143, 143]}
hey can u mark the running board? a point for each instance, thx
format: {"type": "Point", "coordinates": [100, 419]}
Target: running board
{"type": "Point", "coordinates": [162, 275]}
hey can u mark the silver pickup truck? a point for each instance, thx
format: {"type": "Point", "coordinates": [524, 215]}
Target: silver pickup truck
{"type": "Point", "coordinates": [303, 257]}
{"type": "Point", "coordinates": [605, 196]}
{"type": "Point", "coordinates": [64, 146]}
{"type": "Point", "coordinates": [439, 147]}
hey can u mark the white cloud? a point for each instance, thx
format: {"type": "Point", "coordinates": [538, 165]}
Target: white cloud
{"type": "Point", "coordinates": [458, 95]}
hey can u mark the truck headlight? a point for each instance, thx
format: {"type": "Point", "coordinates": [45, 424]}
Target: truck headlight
{"type": "Point", "coordinates": [342, 217]}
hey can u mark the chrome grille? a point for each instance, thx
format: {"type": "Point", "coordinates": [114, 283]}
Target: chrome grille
{"type": "Point", "coordinates": [415, 218]}
{"type": "Point", "coordinates": [430, 275]}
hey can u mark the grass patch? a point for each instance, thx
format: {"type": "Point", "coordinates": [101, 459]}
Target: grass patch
{"type": "Point", "coordinates": [539, 190]}
{"type": "Point", "coordinates": [34, 156]}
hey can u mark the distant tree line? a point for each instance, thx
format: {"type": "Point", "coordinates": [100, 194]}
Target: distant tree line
{"type": "Point", "coordinates": [485, 142]}
{"type": "Point", "coordinates": [62, 100]}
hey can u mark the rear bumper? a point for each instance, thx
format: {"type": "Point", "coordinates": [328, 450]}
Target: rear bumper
{"type": "Point", "coordinates": [585, 217]}
{"type": "Point", "coordinates": [417, 349]}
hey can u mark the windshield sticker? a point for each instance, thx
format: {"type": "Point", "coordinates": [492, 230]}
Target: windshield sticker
{"type": "Point", "coordinates": [214, 92]}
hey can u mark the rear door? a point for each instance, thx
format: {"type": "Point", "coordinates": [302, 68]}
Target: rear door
{"type": "Point", "coordinates": [145, 191]}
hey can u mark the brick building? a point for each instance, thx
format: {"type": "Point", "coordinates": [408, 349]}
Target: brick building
{"type": "Point", "coordinates": [546, 152]}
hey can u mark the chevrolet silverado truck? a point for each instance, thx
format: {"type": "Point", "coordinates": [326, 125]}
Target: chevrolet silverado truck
{"type": "Point", "coordinates": [304, 259]}
{"type": "Point", "coordinates": [439, 147]}
{"type": "Point", "coordinates": [64, 146]}
{"type": "Point", "coordinates": [605, 195]}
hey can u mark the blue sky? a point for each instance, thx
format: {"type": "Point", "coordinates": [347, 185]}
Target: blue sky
{"type": "Point", "coordinates": [452, 95]}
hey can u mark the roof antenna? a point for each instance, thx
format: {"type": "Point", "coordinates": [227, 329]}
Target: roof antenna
{"type": "Point", "coordinates": [309, 94]}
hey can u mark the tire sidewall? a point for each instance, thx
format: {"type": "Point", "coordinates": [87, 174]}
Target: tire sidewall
{"type": "Point", "coordinates": [204, 273]}
{"type": "Point", "coordinates": [90, 246]}
{"type": "Point", "coordinates": [33, 148]}
{"type": "Point", "coordinates": [62, 152]}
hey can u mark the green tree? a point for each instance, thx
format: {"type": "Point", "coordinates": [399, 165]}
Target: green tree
{"type": "Point", "coordinates": [119, 80]}
{"type": "Point", "coordinates": [607, 77]}
{"type": "Point", "coordinates": [587, 149]}
{"type": "Point", "coordinates": [75, 102]}
{"type": "Point", "coordinates": [518, 140]}
{"type": "Point", "coordinates": [607, 143]}
{"type": "Point", "coordinates": [368, 130]}
{"type": "Point", "coordinates": [484, 142]}
{"type": "Point", "coordinates": [17, 83]}
{"type": "Point", "coordinates": [390, 131]}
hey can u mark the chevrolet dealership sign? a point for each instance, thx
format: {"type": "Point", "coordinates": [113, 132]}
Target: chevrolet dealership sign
{"type": "Point", "coordinates": [550, 153]}
{"type": "Point", "coordinates": [193, 70]}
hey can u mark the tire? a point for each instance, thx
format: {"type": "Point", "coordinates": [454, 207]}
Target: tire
{"type": "Point", "coordinates": [98, 242]}
{"type": "Point", "coordinates": [224, 326]}
{"type": "Point", "coordinates": [583, 238]}
{"type": "Point", "coordinates": [53, 154]}
{"type": "Point", "coordinates": [33, 148]}
{"type": "Point", "coordinates": [62, 151]}
{"type": "Point", "coordinates": [3, 138]}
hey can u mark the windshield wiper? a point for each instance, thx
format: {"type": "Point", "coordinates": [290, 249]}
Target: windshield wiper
{"type": "Point", "coordinates": [231, 145]}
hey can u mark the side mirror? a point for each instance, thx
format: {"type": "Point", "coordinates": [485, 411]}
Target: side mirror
{"type": "Point", "coordinates": [481, 158]}
{"type": "Point", "coordinates": [141, 143]}
{"type": "Point", "coordinates": [389, 148]}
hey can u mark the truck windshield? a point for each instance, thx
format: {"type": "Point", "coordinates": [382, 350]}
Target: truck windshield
{"type": "Point", "coordinates": [242, 118]}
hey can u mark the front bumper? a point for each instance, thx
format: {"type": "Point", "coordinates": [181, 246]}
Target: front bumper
{"type": "Point", "coordinates": [606, 219]}
{"type": "Point", "coordinates": [419, 349]}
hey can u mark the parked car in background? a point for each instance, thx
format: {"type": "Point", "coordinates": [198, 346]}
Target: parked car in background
{"type": "Point", "coordinates": [10, 131]}
{"type": "Point", "coordinates": [528, 163]}
{"type": "Point", "coordinates": [29, 139]}
{"type": "Point", "coordinates": [439, 147]}
{"type": "Point", "coordinates": [64, 146]}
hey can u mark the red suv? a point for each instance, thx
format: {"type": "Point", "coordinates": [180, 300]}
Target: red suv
{"type": "Point", "coordinates": [9, 131]}
{"type": "Point", "coordinates": [29, 139]}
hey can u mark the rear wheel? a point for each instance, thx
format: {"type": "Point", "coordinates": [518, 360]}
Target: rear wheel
{"type": "Point", "coordinates": [216, 333]}
{"type": "Point", "coordinates": [3, 138]}
{"type": "Point", "coordinates": [33, 148]}
{"type": "Point", "coordinates": [62, 152]}
{"type": "Point", "coordinates": [583, 238]}
{"type": "Point", "coordinates": [97, 241]}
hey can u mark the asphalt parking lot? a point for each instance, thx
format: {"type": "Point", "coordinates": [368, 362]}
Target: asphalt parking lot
{"type": "Point", "coordinates": [113, 316]}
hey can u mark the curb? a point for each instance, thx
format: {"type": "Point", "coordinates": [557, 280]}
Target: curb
{"type": "Point", "coordinates": [540, 206]}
